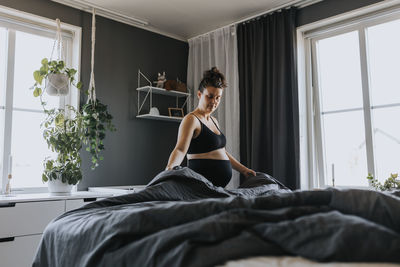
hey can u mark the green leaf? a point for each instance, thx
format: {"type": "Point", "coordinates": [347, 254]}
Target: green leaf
{"type": "Point", "coordinates": [37, 92]}
{"type": "Point", "coordinates": [38, 77]}
{"type": "Point", "coordinates": [72, 72]}
{"type": "Point", "coordinates": [43, 70]}
{"type": "Point", "coordinates": [49, 165]}
{"type": "Point", "coordinates": [60, 65]}
{"type": "Point", "coordinates": [79, 85]}
{"type": "Point", "coordinates": [45, 61]}
{"type": "Point", "coordinates": [59, 121]}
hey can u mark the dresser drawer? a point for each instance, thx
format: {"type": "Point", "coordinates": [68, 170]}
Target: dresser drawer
{"type": "Point", "coordinates": [72, 204]}
{"type": "Point", "coordinates": [28, 218]}
{"type": "Point", "coordinates": [19, 251]}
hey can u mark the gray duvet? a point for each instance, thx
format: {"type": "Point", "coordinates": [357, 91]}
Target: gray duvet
{"type": "Point", "coordinates": [181, 219]}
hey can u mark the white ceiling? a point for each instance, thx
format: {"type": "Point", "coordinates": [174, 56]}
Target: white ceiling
{"type": "Point", "coordinates": [184, 19]}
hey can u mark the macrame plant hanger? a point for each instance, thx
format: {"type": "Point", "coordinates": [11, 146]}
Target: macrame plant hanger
{"type": "Point", "coordinates": [58, 41]}
{"type": "Point", "coordinates": [57, 85]}
{"type": "Point", "coordinates": [92, 87]}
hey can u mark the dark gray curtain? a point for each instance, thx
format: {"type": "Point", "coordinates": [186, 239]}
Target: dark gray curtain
{"type": "Point", "coordinates": [269, 131]}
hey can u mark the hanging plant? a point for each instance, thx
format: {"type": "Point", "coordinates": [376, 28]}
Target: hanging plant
{"type": "Point", "coordinates": [96, 118]}
{"type": "Point", "coordinates": [57, 76]}
{"type": "Point", "coordinates": [55, 73]}
{"type": "Point", "coordinates": [62, 129]}
{"type": "Point", "coordinates": [96, 121]}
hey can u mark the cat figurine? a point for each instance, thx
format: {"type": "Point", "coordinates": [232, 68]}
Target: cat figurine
{"type": "Point", "coordinates": [160, 80]}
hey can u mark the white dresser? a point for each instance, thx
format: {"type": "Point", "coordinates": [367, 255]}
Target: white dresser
{"type": "Point", "coordinates": [24, 217]}
{"type": "Point", "coordinates": [118, 190]}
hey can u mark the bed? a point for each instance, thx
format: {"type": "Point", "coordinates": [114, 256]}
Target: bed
{"type": "Point", "coordinates": [181, 219]}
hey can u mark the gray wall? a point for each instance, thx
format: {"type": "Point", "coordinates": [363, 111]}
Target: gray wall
{"type": "Point", "coordinates": [139, 149]}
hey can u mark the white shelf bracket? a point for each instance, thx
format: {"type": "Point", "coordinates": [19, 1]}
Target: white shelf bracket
{"type": "Point", "coordinates": [140, 74]}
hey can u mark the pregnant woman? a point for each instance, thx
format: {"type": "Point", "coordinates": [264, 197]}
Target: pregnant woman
{"type": "Point", "coordinates": [201, 138]}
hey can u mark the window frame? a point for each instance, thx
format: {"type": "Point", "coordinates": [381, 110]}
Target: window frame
{"type": "Point", "coordinates": [312, 169]}
{"type": "Point", "coordinates": [14, 20]}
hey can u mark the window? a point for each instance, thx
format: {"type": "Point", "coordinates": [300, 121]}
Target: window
{"type": "Point", "coordinates": [354, 89]}
{"type": "Point", "coordinates": [384, 57]}
{"type": "Point", "coordinates": [341, 109]}
{"type": "Point", "coordinates": [23, 44]}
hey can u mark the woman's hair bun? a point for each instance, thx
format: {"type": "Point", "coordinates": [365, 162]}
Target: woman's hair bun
{"type": "Point", "coordinates": [214, 69]}
{"type": "Point", "coordinates": [212, 78]}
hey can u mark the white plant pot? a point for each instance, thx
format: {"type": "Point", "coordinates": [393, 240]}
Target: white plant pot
{"type": "Point", "coordinates": [57, 84]}
{"type": "Point", "coordinates": [57, 186]}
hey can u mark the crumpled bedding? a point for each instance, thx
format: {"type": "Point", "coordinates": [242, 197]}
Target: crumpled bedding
{"type": "Point", "coordinates": [181, 219]}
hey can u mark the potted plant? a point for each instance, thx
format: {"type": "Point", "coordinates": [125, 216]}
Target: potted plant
{"type": "Point", "coordinates": [97, 121]}
{"type": "Point", "coordinates": [391, 183]}
{"type": "Point", "coordinates": [66, 131]}
{"type": "Point", "coordinates": [64, 136]}
{"type": "Point", "coordinates": [57, 78]}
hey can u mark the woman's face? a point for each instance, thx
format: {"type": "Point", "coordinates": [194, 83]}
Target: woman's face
{"type": "Point", "coordinates": [210, 98]}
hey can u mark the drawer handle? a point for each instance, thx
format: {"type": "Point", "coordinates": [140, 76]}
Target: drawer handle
{"type": "Point", "coordinates": [7, 205]}
{"type": "Point", "coordinates": [7, 239]}
{"type": "Point", "coordinates": [89, 199]}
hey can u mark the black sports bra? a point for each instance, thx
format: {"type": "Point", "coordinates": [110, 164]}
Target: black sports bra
{"type": "Point", "coordinates": [207, 140]}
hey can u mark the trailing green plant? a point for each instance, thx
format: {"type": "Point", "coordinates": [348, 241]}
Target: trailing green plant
{"type": "Point", "coordinates": [54, 66]}
{"type": "Point", "coordinates": [63, 135]}
{"type": "Point", "coordinates": [389, 184]}
{"type": "Point", "coordinates": [97, 121]}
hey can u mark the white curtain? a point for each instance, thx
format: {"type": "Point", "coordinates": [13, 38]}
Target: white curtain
{"type": "Point", "coordinates": [219, 48]}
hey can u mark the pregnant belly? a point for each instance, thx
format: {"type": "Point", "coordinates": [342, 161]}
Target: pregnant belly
{"type": "Point", "coordinates": [215, 154]}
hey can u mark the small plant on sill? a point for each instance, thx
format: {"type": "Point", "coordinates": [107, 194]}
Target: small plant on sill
{"type": "Point", "coordinates": [389, 184]}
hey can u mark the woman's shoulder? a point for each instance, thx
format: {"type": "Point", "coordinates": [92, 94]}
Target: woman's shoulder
{"type": "Point", "coordinates": [190, 118]}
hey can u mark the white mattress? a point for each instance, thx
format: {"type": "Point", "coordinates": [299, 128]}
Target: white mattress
{"type": "Point", "coordinates": [296, 262]}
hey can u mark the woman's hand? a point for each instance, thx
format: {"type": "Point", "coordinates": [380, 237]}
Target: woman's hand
{"type": "Point", "coordinates": [248, 172]}
{"type": "Point", "coordinates": [177, 167]}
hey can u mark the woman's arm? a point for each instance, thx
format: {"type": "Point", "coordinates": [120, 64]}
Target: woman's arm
{"type": "Point", "coordinates": [185, 134]}
{"type": "Point", "coordinates": [240, 167]}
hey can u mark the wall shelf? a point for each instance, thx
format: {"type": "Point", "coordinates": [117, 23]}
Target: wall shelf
{"type": "Point", "coordinates": [159, 117]}
{"type": "Point", "coordinates": [149, 90]}
{"type": "Point", "coordinates": [162, 91]}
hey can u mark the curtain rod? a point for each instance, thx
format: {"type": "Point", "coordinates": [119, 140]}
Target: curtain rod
{"type": "Point", "coordinates": [295, 3]}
